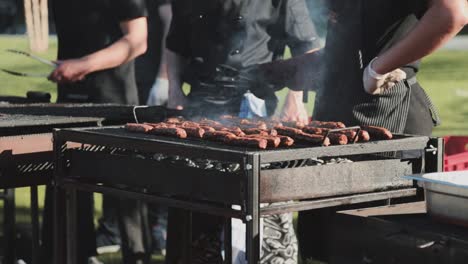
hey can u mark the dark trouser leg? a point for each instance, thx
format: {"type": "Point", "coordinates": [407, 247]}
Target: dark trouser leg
{"type": "Point", "coordinates": [179, 236]}
{"type": "Point", "coordinates": [158, 222]}
{"type": "Point", "coordinates": [9, 226]}
{"type": "Point", "coordinates": [85, 222]}
{"type": "Point", "coordinates": [134, 231]}
{"type": "Point", "coordinates": [313, 231]}
{"type": "Point", "coordinates": [202, 245]}
{"type": "Point", "coordinates": [108, 230]}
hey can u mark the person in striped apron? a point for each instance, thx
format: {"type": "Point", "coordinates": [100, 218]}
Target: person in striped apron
{"type": "Point", "coordinates": [372, 53]}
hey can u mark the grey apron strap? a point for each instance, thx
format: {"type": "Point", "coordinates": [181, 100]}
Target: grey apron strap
{"type": "Point", "coordinates": [434, 112]}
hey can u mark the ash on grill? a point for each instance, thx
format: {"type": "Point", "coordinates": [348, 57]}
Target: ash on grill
{"type": "Point", "coordinates": [214, 165]}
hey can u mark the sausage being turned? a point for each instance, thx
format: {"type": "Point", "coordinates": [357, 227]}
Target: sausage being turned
{"type": "Point", "coordinates": [380, 133]}
{"type": "Point", "coordinates": [142, 128]}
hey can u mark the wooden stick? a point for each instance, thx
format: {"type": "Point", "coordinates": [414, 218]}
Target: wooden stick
{"type": "Point", "coordinates": [36, 12]}
{"type": "Point", "coordinates": [44, 26]}
{"type": "Point", "coordinates": [29, 23]}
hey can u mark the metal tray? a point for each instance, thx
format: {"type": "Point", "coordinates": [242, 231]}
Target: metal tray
{"type": "Point", "coordinates": [446, 195]}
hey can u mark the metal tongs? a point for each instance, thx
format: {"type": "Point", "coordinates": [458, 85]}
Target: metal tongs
{"type": "Point", "coordinates": [34, 57]}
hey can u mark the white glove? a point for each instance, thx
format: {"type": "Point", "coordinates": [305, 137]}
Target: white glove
{"type": "Point", "coordinates": [375, 83]}
{"type": "Point", "coordinates": [159, 92]}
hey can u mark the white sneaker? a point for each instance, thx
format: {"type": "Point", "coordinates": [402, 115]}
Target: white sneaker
{"type": "Point", "coordinates": [94, 260]}
{"type": "Point", "coordinates": [108, 249]}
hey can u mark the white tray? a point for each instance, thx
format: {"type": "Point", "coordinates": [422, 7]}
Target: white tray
{"type": "Point", "coordinates": [446, 195]}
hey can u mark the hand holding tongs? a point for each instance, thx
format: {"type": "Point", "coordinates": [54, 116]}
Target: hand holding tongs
{"type": "Point", "coordinates": [34, 57]}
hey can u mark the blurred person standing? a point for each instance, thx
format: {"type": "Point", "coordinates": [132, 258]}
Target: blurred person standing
{"type": "Point", "coordinates": [217, 46]}
{"type": "Point", "coordinates": [151, 67]}
{"type": "Point", "coordinates": [97, 43]}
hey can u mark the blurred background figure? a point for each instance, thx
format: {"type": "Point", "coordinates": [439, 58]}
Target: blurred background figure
{"type": "Point", "coordinates": [97, 43]}
{"type": "Point", "coordinates": [151, 68]}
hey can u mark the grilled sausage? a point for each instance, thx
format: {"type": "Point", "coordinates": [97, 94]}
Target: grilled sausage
{"type": "Point", "coordinates": [313, 139]}
{"type": "Point", "coordinates": [314, 130]}
{"type": "Point", "coordinates": [295, 124]}
{"type": "Point", "coordinates": [260, 125]}
{"type": "Point", "coordinates": [174, 120]}
{"type": "Point", "coordinates": [142, 128]}
{"type": "Point", "coordinates": [273, 132]}
{"type": "Point", "coordinates": [321, 124]}
{"type": "Point", "coordinates": [272, 141]}
{"type": "Point", "coordinates": [189, 124]}
{"type": "Point", "coordinates": [286, 141]}
{"type": "Point", "coordinates": [169, 131]}
{"type": "Point", "coordinates": [352, 135]}
{"type": "Point", "coordinates": [259, 143]}
{"type": "Point", "coordinates": [208, 128]}
{"type": "Point", "coordinates": [378, 132]}
{"type": "Point", "coordinates": [299, 135]}
{"type": "Point", "coordinates": [194, 132]}
{"type": "Point", "coordinates": [363, 136]}
{"type": "Point", "coordinates": [221, 136]}
{"type": "Point", "coordinates": [287, 131]}
{"type": "Point", "coordinates": [338, 138]}
{"type": "Point", "coordinates": [211, 123]}
{"type": "Point", "coordinates": [255, 131]}
{"type": "Point", "coordinates": [235, 130]}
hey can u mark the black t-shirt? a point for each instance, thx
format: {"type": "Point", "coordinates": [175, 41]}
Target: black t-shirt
{"type": "Point", "coordinates": [240, 33]}
{"type": "Point", "coordinates": [86, 26]}
{"type": "Point", "coordinates": [358, 31]}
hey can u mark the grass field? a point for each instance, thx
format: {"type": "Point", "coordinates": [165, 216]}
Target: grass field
{"type": "Point", "coordinates": [444, 75]}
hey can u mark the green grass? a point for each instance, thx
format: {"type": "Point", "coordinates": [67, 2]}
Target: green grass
{"type": "Point", "coordinates": [444, 75]}
{"type": "Point", "coordinates": [18, 86]}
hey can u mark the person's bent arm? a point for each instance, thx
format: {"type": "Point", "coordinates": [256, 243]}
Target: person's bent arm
{"type": "Point", "coordinates": [131, 45]}
{"type": "Point", "coordinates": [442, 21]}
{"type": "Point", "coordinates": [175, 66]}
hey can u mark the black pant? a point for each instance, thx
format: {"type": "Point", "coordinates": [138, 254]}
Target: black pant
{"type": "Point", "coordinates": [133, 226]}
{"type": "Point", "coordinates": [314, 227]}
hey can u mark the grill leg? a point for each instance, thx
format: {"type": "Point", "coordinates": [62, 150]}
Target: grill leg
{"type": "Point", "coordinates": [253, 209]}
{"type": "Point", "coordinates": [9, 227]}
{"type": "Point", "coordinates": [59, 205]}
{"type": "Point", "coordinates": [227, 241]}
{"type": "Point", "coordinates": [71, 224]}
{"type": "Point", "coordinates": [35, 225]}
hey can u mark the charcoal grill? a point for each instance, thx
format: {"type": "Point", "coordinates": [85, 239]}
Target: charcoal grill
{"type": "Point", "coordinates": [26, 160]}
{"type": "Point", "coordinates": [175, 172]}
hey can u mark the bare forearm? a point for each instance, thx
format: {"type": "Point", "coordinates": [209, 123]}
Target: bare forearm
{"type": "Point", "coordinates": [132, 44]}
{"type": "Point", "coordinates": [442, 21]}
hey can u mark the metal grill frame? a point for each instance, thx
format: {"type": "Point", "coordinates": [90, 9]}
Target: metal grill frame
{"type": "Point", "coordinates": [26, 160]}
{"type": "Point", "coordinates": [250, 160]}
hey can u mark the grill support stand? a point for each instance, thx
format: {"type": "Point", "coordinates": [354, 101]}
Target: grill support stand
{"type": "Point", "coordinates": [35, 225]}
{"type": "Point", "coordinates": [77, 177]}
{"type": "Point", "coordinates": [252, 219]}
{"type": "Point", "coordinates": [9, 226]}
